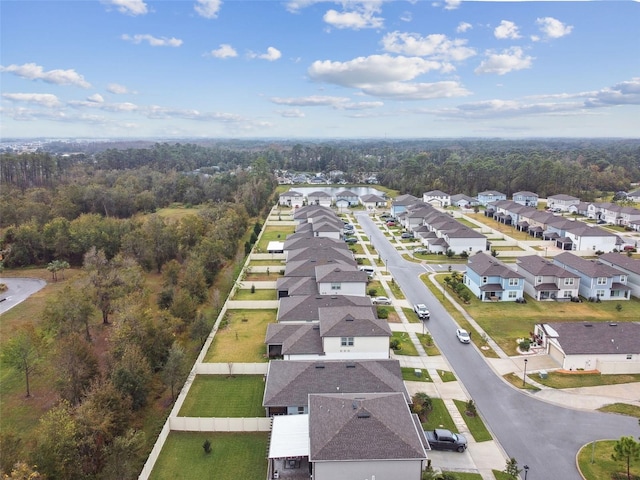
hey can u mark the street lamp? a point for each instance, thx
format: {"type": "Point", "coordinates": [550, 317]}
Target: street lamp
{"type": "Point", "coordinates": [526, 471]}
{"type": "Point", "coordinates": [524, 375]}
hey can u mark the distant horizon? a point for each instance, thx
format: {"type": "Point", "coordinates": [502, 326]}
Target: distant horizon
{"type": "Point", "coordinates": [319, 70]}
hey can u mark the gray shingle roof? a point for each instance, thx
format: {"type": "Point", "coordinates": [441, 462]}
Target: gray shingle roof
{"type": "Point", "coordinates": [289, 383]}
{"type": "Point", "coordinates": [540, 266]}
{"type": "Point", "coordinates": [622, 261]}
{"type": "Point", "coordinates": [362, 427]}
{"type": "Point", "coordinates": [486, 265]}
{"type": "Point", "coordinates": [590, 268]}
{"type": "Point", "coordinates": [306, 309]}
{"type": "Point", "coordinates": [295, 338]}
{"type": "Point", "coordinates": [597, 338]}
{"type": "Point", "coordinates": [352, 322]}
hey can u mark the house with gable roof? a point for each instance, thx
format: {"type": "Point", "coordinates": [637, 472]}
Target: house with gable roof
{"type": "Point", "coordinates": [401, 202]}
{"type": "Point", "coordinates": [463, 201]}
{"type": "Point", "coordinates": [363, 434]}
{"type": "Point", "coordinates": [528, 199]}
{"type": "Point", "coordinates": [598, 281]}
{"type": "Point", "coordinates": [491, 280]}
{"type": "Point", "coordinates": [562, 202]}
{"type": "Point", "coordinates": [543, 280]}
{"type": "Point", "coordinates": [490, 196]}
{"type": "Point", "coordinates": [291, 199]}
{"type": "Point", "coordinates": [607, 347]}
{"type": "Point", "coordinates": [371, 201]}
{"type": "Point", "coordinates": [629, 265]}
{"type": "Point", "coordinates": [437, 198]}
{"type": "Point", "coordinates": [320, 198]}
{"type": "Point", "coordinates": [346, 199]}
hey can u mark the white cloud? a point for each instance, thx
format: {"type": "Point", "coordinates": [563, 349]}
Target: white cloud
{"type": "Point", "coordinates": [107, 107]}
{"type": "Point", "coordinates": [32, 71]}
{"type": "Point", "coordinates": [42, 99]}
{"type": "Point", "coordinates": [505, 62]}
{"type": "Point", "coordinates": [129, 7]}
{"type": "Point", "coordinates": [463, 27]}
{"type": "Point", "coordinates": [294, 113]}
{"type": "Point", "coordinates": [416, 91]}
{"type": "Point", "coordinates": [224, 51]}
{"type": "Point", "coordinates": [406, 16]}
{"type": "Point", "coordinates": [96, 97]}
{"type": "Point", "coordinates": [117, 89]}
{"type": "Point", "coordinates": [506, 30]}
{"type": "Point", "coordinates": [552, 28]}
{"type": "Point", "coordinates": [435, 45]}
{"type": "Point", "coordinates": [153, 41]}
{"type": "Point", "coordinates": [452, 4]}
{"type": "Point", "coordinates": [271, 55]}
{"type": "Point", "coordinates": [208, 8]}
{"type": "Point", "coordinates": [356, 20]}
{"type": "Point", "coordinates": [337, 103]}
{"type": "Point", "coordinates": [370, 70]}
{"type": "Point", "coordinates": [623, 93]}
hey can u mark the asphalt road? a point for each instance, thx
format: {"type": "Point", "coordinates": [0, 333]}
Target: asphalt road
{"type": "Point", "coordinates": [544, 436]}
{"type": "Point", "coordinates": [19, 290]}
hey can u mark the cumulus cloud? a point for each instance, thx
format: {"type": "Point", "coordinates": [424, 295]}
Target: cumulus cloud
{"type": "Point", "coordinates": [436, 45]}
{"type": "Point", "coordinates": [363, 17]}
{"type": "Point", "coordinates": [452, 4]}
{"type": "Point", "coordinates": [417, 91]}
{"type": "Point", "coordinates": [42, 99]}
{"type": "Point", "coordinates": [293, 113]}
{"type": "Point", "coordinates": [129, 7]}
{"type": "Point", "coordinates": [552, 28]}
{"type": "Point", "coordinates": [374, 69]}
{"type": "Point", "coordinates": [271, 55]}
{"type": "Point", "coordinates": [463, 27]}
{"type": "Point", "coordinates": [337, 103]}
{"type": "Point", "coordinates": [506, 30]}
{"type": "Point", "coordinates": [623, 93]}
{"type": "Point", "coordinates": [224, 51]}
{"type": "Point", "coordinates": [152, 41]}
{"type": "Point", "coordinates": [32, 71]}
{"type": "Point", "coordinates": [208, 8]}
{"type": "Point", "coordinates": [505, 62]}
{"type": "Point", "coordinates": [96, 97]}
{"type": "Point", "coordinates": [117, 89]}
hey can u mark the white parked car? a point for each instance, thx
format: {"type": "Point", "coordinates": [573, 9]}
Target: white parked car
{"type": "Point", "coordinates": [422, 311]}
{"type": "Point", "coordinates": [381, 301]}
{"type": "Point", "coordinates": [463, 335]}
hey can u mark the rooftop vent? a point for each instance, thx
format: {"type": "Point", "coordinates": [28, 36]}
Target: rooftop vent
{"type": "Point", "coordinates": [613, 324]}
{"type": "Point", "coordinates": [319, 365]}
{"type": "Point", "coordinates": [351, 365]}
{"type": "Point", "coordinates": [588, 325]}
{"type": "Point", "coordinates": [316, 327]}
{"type": "Point", "coordinates": [364, 414]}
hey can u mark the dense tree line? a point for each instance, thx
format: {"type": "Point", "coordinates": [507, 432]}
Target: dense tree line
{"type": "Point", "coordinates": [107, 344]}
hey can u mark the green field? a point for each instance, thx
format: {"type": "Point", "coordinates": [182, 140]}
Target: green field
{"type": "Point", "coordinates": [224, 396]}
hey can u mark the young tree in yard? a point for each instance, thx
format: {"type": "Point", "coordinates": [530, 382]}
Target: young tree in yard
{"type": "Point", "coordinates": [511, 468]}
{"type": "Point", "coordinates": [175, 368]}
{"type": "Point", "coordinates": [626, 450]}
{"type": "Point", "coordinates": [24, 352]}
{"type": "Point", "coordinates": [124, 456]}
{"type": "Point", "coordinates": [76, 366]}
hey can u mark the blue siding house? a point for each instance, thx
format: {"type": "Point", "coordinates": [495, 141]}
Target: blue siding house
{"type": "Point", "coordinates": [491, 280]}
{"type": "Point", "coordinates": [489, 196]}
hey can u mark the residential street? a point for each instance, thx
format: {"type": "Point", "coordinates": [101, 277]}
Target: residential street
{"type": "Point", "coordinates": [538, 433]}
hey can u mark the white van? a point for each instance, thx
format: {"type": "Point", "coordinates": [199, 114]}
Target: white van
{"type": "Point", "coordinates": [370, 271]}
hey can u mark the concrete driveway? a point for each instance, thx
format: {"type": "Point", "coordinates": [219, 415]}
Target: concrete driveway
{"type": "Point", "coordinates": [19, 290]}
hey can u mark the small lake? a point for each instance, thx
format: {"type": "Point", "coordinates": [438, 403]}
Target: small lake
{"type": "Point", "coordinates": [359, 191]}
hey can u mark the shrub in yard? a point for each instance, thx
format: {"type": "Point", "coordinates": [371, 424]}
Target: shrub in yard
{"type": "Point", "coordinates": [394, 344]}
{"type": "Point", "coordinates": [471, 408]}
{"type": "Point", "coordinates": [524, 345]}
{"type": "Point", "coordinates": [383, 313]}
{"type": "Point", "coordinates": [207, 446]}
{"type": "Point", "coordinates": [372, 292]}
{"type": "Point", "coordinates": [253, 288]}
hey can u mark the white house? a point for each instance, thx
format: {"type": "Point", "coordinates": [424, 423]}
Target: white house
{"type": "Point", "coordinates": [437, 198]}
{"type": "Point", "coordinates": [610, 348]}
{"type": "Point", "coordinates": [562, 202]}
{"type": "Point", "coordinates": [629, 265]}
{"type": "Point", "coordinates": [291, 199]}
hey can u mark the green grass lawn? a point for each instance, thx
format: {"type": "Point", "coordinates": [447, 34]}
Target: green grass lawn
{"type": "Point", "coordinates": [446, 376]}
{"type": "Point", "coordinates": [516, 381]}
{"type": "Point", "coordinates": [233, 456]}
{"type": "Point", "coordinates": [222, 396]}
{"type": "Point", "coordinates": [273, 233]}
{"type": "Point", "coordinates": [242, 339]}
{"type": "Point", "coordinates": [622, 408]}
{"type": "Point", "coordinates": [396, 290]}
{"type": "Point", "coordinates": [406, 345]}
{"type": "Point", "coordinates": [409, 374]}
{"type": "Point", "coordinates": [572, 380]}
{"type": "Point", "coordinates": [439, 417]}
{"type": "Point", "coordinates": [603, 467]}
{"type": "Point", "coordinates": [474, 423]}
{"type": "Point", "coordinates": [464, 475]}
{"type": "Point", "coordinates": [427, 343]}
{"type": "Point", "coordinates": [411, 315]}
{"type": "Point", "coordinates": [258, 294]}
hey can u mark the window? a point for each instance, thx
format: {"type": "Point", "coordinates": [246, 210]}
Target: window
{"type": "Point", "coordinates": [300, 410]}
{"type": "Point", "coordinates": [567, 294]}
{"type": "Point", "coordinates": [346, 341]}
{"type": "Point", "coordinates": [513, 294]}
{"type": "Point", "coordinates": [538, 280]}
{"type": "Point", "coordinates": [600, 293]}
{"type": "Point", "coordinates": [514, 282]}
{"type": "Point", "coordinates": [623, 279]}
{"type": "Point", "coordinates": [601, 281]}
{"type": "Point", "coordinates": [485, 279]}
{"type": "Point", "coordinates": [629, 356]}
{"type": "Point", "coordinates": [569, 281]}
{"type": "Point", "coordinates": [336, 286]}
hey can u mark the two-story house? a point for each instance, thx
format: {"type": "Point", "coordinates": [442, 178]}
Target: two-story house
{"type": "Point", "coordinates": [629, 265]}
{"type": "Point", "coordinates": [490, 196]}
{"type": "Point", "coordinates": [491, 280]}
{"type": "Point", "coordinates": [598, 281]}
{"type": "Point", "coordinates": [543, 280]}
{"type": "Point", "coordinates": [528, 199]}
{"type": "Point", "coordinates": [437, 198]}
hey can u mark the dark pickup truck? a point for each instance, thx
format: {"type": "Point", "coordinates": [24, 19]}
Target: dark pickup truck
{"type": "Point", "coordinates": [441, 439]}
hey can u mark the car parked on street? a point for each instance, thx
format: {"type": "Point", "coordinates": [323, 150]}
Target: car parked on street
{"type": "Point", "coordinates": [463, 335]}
{"type": "Point", "coordinates": [422, 311]}
{"type": "Point", "coordinates": [381, 301]}
{"type": "Point", "coordinates": [351, 240]}
{"type": "Point", "coordinates": [406, 235]}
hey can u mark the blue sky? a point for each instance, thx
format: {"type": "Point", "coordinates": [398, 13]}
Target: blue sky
{"type": "Point", "coordinates": [311, 69]}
